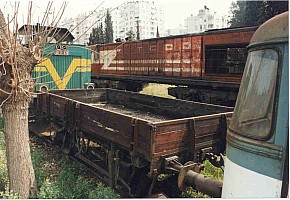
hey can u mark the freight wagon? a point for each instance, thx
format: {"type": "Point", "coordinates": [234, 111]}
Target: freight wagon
{"type": "Point", "coordinates": [127, 137]}
{"type": "Point", "coordinates": [209, 65]}
{"type": "Point", "coordinates": [63, 66]}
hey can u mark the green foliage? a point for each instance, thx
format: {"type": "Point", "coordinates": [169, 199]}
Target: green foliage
{"type": "Point", "coordinates": [101, 35]}
{"type": "Point", "coordinates": [4, 191]}
{"type": "Point", "coordinates": [3, 177]}
{"type": "Point", "coordinates": [138, 28]}
{"type": "Point", "coordinates": [108, 28]}
{"type": "Point", "coordinates": [131, 35]}
{"type": "Point", "coordinates": [40, 165]}
{"type": "Point", "coordinates": [49, 190]}
{"type": "Point", "coordinates": [102, 192]}
{"type": "Point", "coordinates": [71, 184]}
{"type": "Point", "coordinates": [212, 171]}
{"type": "Point", "coordinates": [251, 13]}
{"type": "Point", "coordinates": [6, 194]}
{"type": "Point", "coordinates": [3, 167]}
{"type": "Point", "coordinates": [157, 33]}
{"type": "Point", "coordinates": [191, 193]}
{"type": "Point", "coordinates": [97, 35]}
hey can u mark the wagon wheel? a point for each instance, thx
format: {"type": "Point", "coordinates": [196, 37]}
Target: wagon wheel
{"type": "Point", "coordinates": [81, 143]}
{"type": "Point", "coordinates": [85, 144]}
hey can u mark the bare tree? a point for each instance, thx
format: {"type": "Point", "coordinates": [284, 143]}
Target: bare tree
{"type": "Point", "coordinates": [16, 87]}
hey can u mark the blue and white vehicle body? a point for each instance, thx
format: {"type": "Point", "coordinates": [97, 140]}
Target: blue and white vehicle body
{"type": "Point", "coordinates": [257, 138]}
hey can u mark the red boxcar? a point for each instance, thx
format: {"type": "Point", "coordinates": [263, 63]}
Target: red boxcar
{"type": "Point", "coordinates": [168, 56]}
{"type": "Point", "coordinates": [202, 60]}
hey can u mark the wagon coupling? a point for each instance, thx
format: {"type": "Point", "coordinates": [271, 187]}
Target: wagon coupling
{"type": "Point", "coordinates": [189, 176]}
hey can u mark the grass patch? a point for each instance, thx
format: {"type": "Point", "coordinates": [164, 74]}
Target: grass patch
{"type": "Point", "coordinates": [191, 193]}
{"type": "Point", "coordinates": [157, 90]}
{"type": "Point", "coordinates": [209, 171]}
{"type": "Point", "coordinates": [63, 178]}
{"type": "Point", "coordinates": [212, 171]}
{"type": "Point", "coordinates": [3, 167]}
{"type": "Point", "coordinates": [4, 192]}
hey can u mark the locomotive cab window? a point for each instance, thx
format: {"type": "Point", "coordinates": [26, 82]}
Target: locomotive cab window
{"type": "Point", "coordinates": [254, 107]}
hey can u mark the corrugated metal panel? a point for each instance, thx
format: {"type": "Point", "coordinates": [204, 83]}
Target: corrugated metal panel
{"type": "Point", "coordinates": [63, 71]}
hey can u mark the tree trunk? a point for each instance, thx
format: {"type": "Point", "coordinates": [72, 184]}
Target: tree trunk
{"type": "Point", "coordinates": [19, 163]}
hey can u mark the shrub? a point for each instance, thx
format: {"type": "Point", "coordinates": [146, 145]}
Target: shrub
{"type": "Point", "coordinates": [49, 190]}
{"type": "Point", "coordinates": [212, 171]}
{"type": "Point", "coordinates": [39, 162]}
{"type": "Point", "coordinates": [102, 192]}
{"type": "Point", "coordinates": [3, 167]}
{"type": "Point", "coordinates": [191, 193]}
{"type": "Point", "coordinates": [72, 185]}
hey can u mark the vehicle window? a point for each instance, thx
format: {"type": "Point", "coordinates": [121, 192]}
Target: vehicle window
{"type": "Point", "coordinates": [254, 106]}
{"type": "Point", "coordinates": [225, 59]}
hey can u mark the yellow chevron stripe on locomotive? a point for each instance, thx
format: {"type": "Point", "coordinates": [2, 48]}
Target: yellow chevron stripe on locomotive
{"type": "Point", "coordinates": [67, 69]}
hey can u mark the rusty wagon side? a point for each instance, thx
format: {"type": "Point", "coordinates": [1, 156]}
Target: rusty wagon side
{"type": "Point", "coordinates": [131, 132]}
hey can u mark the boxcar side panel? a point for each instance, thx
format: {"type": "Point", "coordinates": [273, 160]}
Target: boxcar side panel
{"type": "Point", "coordinates": [168, 54]}
{"type": "Point", "coordinates": [160, 57]}
{"type": "Point", "coordinates": [176, 57]}
{"type": "Point", "coordinates": [185, 61]}
{"type": "Point", "coordinates": [134, 59]}
{"type": "Point", "coordinates": [196, 56]}
{"type": "Point", "coordinates": [152, 62]}
{"type": "Point", "coordinates": [146, 56]}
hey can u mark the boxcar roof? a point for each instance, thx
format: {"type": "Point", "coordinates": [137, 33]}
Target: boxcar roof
{"type": "Point", "coordinates": [209, 32]}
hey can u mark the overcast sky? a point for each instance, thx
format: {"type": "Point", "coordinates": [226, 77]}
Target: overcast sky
{"type": "Point", "coordinates": [175, 10]}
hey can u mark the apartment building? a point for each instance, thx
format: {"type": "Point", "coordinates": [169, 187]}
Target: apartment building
{"type": "Point", "coordinates": [82, 25]}
{"type": "Point", "coordinates": [145, 14]}
{"type": "Point", "coordinates": [205, 20]}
